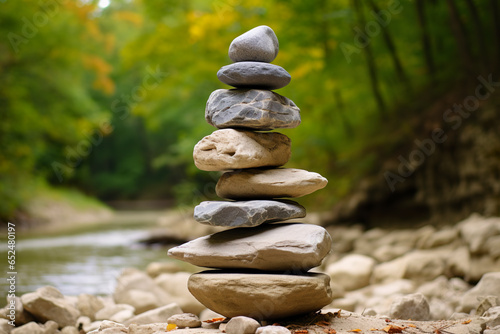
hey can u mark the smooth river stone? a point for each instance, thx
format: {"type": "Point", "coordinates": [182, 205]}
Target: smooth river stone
{"type": "Point", "coordinates": [261, 295]}
{"type": "Point", "coordinates": [234, 149]}
{"type": "Point", "coordinates": [246, 213]}
{"type": "Point", "coordinates": [276, 247]}
{"type": "Point", "coordinates": [268, 183]}
{"type": "Point", "coordinates": [251, 108]}
{"type": "Point", "coordinates": [257, 44]}
{"type": "Point", "coordinates": [249, 74]}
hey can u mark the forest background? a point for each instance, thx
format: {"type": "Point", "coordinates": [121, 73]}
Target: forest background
{"type": "Point", "coordinates": [108, 97]}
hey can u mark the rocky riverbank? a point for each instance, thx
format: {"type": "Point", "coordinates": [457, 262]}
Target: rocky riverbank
{"type": "Point", "coordinates": [445, 280]}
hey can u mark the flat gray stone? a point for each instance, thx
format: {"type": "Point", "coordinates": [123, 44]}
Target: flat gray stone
{"type": "Point", "coordinates": [246, 213]}
{"type": "Point", "coordinates": [268, 183]}
{"type": "Point", "coordinates": [234, 149]}
{"type": "Point", "coordinates": [276, 247]}
{"type": "Point", "coordinates": [251, 108]}
{"type": "Point", "coordinates": [257, 44]}
{"type": "Point", "coordinates": [250, 74]}
{"type": "Point", "coordinates": [261, 295]}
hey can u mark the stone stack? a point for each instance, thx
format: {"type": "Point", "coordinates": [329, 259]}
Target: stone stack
{"type": "Point", "coordinates": [261, 265]}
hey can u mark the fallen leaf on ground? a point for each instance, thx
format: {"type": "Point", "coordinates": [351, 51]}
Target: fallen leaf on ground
{"type": "Point", "coordinates": [355, 330]}
{"type": "Point", "coordinates": [209, 321]}
{"type": "Point", "coordinates": [393, 329]}
{"type": "Point", "coordinates": [322, 323]}
{"type": "Point", "coordinates": [412, 325]}
{"type": "Point", "coordinates": [466, 322]}
{"type": "Point", "coordinates": [330, 331]}
{"type": "Point", "coordinates": [171, 327]}
{"type": "Point", "coordinates": [301, 331]}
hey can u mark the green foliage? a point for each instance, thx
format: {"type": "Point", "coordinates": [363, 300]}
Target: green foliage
{"type": "Point", "coordinates": [148, 67]}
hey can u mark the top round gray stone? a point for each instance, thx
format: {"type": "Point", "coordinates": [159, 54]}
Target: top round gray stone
{"type": "Point", "coordinates": [257, 44]}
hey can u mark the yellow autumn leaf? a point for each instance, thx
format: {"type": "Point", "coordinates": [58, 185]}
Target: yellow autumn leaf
{"type": "Point", "coordinates": [171, 327]}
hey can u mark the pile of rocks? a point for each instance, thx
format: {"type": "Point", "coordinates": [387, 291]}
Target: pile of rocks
{"type": "Point", "coordinates": [262, 268]}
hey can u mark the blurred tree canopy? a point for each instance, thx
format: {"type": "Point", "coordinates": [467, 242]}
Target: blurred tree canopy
{"type": "Point", "coordinates": [110, 99]}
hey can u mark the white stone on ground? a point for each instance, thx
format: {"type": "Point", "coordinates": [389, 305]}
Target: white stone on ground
{"type": "Point", "coordinates": [352, 272]}
{"type": "Point", "coordinates": [242, 325]}
{"type": "Point", "coordinates": [29, 328]}
{"type": "Point", "coordinates": [413, 306]}
{"type": "Point", "coordinates": [115, 312]}
{"type": "Point", "coordinates": [88, 305]}
{"type": "Point", "coordinates": [136, 288]}
{"type": "Point", "coordinates": [273, 330]}
{"type": "Point", "coordinates": [184, 320]}
{"type": "Point", "coordinates": [489, 285]}
{"type": "Point", "coordinates": [159, 314]}
{"type": "Point", "coordinates": [175, 285]}
{"type": "Point", "coordinates": [155, 269]}
{"type": "Point", "coordinates": [48, 303]}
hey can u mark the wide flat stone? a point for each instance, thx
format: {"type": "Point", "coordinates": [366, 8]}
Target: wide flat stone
{"type": "Point", "coordinates": [234, 149]}
{"type": "Point", "coordinates": [261, 295]}
{"type": "Point", "coordinates": [268, 183]}
{"type": "Point", "coordinates": [251, 108]}
{"type": "Point", "coordinates": [246, 213]}
{"type": "Point", "coordinates": [250, 74]}
{"type": "Point", "coordinates": [277, 247]}
{"type": "Point", "coordinates": [257, 44]}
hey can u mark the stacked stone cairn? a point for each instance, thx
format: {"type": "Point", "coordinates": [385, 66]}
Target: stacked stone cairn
{"type": "Point", "coordinates": [261, 266]}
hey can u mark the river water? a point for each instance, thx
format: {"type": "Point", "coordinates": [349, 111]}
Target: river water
{"type": "Point", "coordinates": [85, 262]}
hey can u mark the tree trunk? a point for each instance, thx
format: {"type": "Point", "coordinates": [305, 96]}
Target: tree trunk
{"type": "Point", "coordinates": [496, 33]}
{"type": "Point", "coordinates": [370, 61]}
{"type": "Point", "coordinates": [425, 39]}
{"type": "Point", "coordinates": [403, 78]}
{"type": "Point", "coordinates": [460, 33]}
{"type": "Point", "coordinates": [478, 26]}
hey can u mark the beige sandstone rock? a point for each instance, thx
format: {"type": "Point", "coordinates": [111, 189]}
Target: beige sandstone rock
{"type": "Point", "coordinates": [291, 246]}
{"type": "Point", "coordinates": [261, 295]}
{"type": "Point", "coordinates": [235, 149]}
{"type": "Point", "coordinates": [160, 314]}
{"type": "Point", "coordinates": [48, 303]}
{"type": "Point", "coordinates": [268, 183]}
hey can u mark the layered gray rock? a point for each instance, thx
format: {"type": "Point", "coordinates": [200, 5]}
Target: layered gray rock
{"type": "Point", "coordinates": [246, 213]}
{"type": "Point", "coordinates": [257, 44]}
{"type": "Point", "coordinates": [261, 295]}
{"type": "Point", "coordinates": [251, 108]}
{"type": "Point", "coordinates": [48, 303]}
{"type": "Point", "coordinates": [250, 74]}
{"type": "Point", "coordinates": [268, 183]}
{"type": "Point", "coordinates": [234, 149]}
{"type": "Point", "coordinates": [277, 247]}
